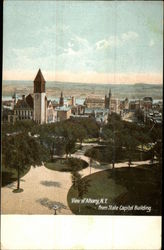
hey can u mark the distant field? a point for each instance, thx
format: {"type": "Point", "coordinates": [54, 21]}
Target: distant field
{"type": "Point", "coordinates": [81, 90]}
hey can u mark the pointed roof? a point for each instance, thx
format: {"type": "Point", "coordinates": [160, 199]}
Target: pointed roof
{"type": "Point", "coordinates": [39, 77]}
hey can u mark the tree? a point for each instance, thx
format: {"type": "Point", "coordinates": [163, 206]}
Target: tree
{"type": "Point", "coordinates": [20, 151]}
{"type": "Point", "coordinates": [157, 150]}
{"type": "Point", "coordinates": [94, 155]}
{"type": "Point", "coordinates": [80, 184]}
{"type": "Point", "coordinates": [81, 134]}
{"type": "Point", "coordinates": [130, 143]}
{"type": "Point", "coordinates": [69, 146]}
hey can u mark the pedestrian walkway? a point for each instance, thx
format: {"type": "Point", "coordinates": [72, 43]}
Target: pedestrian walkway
{"type": "Point", "coordinates": [44, 188]}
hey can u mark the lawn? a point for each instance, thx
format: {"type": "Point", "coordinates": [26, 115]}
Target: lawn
{"type": "Point", "coordinates": [122, 187]}
{"type": "Point", "coordinates": [91, 140]}
{"type": "Point", "coordinates": [9, 175]}
{"type": "Point", "coordinates": [66, 165]}
{"type": "Point", "coordinates": [104, 154]}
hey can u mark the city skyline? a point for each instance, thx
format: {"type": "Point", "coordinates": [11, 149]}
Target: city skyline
{"type": "Point", "coordinates": [106, 42]}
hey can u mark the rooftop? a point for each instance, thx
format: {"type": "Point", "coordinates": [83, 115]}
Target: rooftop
{"type": "Point", "coordinates": [63, 108]}
{"type": "Point", "coordinates": [39, 77]}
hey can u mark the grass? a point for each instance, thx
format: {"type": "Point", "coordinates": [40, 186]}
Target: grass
{"type": "Point", "coordinates": [91, 140]}
{"type": "Point", "coordinates": [66, 165]}
{"type": "Point", "coordinates": [105, 154]}
{"type": "Point", "coordinates": [9, 175]}
{"type": "Point", "coordinates": [122, 186]}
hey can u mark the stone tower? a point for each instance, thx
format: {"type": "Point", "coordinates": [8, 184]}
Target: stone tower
{"type": "Point", "coordinates": [39, 98]}
{"type": "Point", "coordinates": [14, 100]}
{"type": "Point", "coordinates": [108, 100]}
{"type": "Point", "coordinates": [61, 101]}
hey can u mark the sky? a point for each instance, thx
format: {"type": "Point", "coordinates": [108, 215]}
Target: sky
{"type": "Point", "coordinates": [83, 41]}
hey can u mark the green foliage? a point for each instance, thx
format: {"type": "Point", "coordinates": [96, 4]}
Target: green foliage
{"type": "Point", "coordinates": [20, 151]}
{"type": "Point", "coordinates": [66, 165]}
{"type": "Point", "coordinates": [121, 186]}
{"type": "Point", "coordinates": [121, 135]}
{"type": "Point", "coordinates": [80, 184]}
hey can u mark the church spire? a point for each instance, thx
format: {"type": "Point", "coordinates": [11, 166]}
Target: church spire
{"type": "Point", "coordinates": [39, 83]}
{"type": "Point", "coordinates": [110, 93]}
{"type": "Point", "coordinates": [61, 101]}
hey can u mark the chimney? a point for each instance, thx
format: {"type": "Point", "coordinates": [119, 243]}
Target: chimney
{"type": "Point", "coordinates": [23, 97]}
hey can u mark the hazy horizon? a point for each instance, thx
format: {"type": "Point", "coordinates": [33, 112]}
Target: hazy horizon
{"type": "Point", "coordinates": [82, 90]}
{"type": "Point", "coordinates": [91, 83]}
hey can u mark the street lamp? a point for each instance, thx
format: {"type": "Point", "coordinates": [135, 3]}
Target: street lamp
{"type": "Point", "coordinates": [55, 207]}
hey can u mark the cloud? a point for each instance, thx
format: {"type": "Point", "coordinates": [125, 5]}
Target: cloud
{"type": "Point", "coordinates": [77, 56]}
{"type": "Point", "coordinates": [103, 44]}
{"type": "Point", "coordinates": [116, 41]}
{"type": "Point", "coordinates": [130, 35]}
{"type": "Point", "coordinates": [74, 55]}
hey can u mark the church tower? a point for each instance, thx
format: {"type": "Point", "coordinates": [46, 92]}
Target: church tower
{"type": "Point", "coordinates": [61, 101]}
{"type": "Point", "coordinates": [108, 100]}
{"type": "Point", "coordinates": [39, 98]}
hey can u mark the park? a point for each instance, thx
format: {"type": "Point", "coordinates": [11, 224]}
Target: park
{"type": "Point", "coordinates": [45, 167]}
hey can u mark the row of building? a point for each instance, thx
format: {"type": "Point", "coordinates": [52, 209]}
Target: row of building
{"type": "Point", "coordinates": [37, 107]}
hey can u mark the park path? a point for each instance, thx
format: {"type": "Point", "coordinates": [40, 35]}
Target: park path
{"type": "Point", "coordinates": [44, 188]}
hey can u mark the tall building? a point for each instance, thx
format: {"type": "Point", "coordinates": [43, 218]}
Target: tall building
{"type": "Point", "coordinates": [108, 100]}
{"type": "Point", "coordinates": [34, 106]}
{"type": "Point", "coordinates": [40, 99]}
{"type": "Point", "coordinates": [61, 101]}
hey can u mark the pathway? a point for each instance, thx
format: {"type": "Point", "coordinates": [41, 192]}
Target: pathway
{"type": "Point", "coordinates": [44, 188]}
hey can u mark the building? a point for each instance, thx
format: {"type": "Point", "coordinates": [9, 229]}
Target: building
{"type": "Point", "coordinates": [23, 109]}
{"type": "Point", "coordinates": [51, 113]}
{"type": "Point", "coordinates": [61, 100]}
{"type": "Point", "coordinates": [110, 103]}
{"type": "Point", "coordinates": [157, 105]}
{"type": "Point", "coordinates": [63, 113]}
{"type": "Point", "coordinates": [100, 115]}
{"type": "Point", "coordinates": [93, 102]}
{"type": "Point", "coordinates": [114, 105]}
{"type": "Point", "coordinates": [147, 103]}
{"type": "Point", "coordinates": [78, 109]}
{"type": "Point", "coordinates": [124, 104]}
{"type": "Point", "coordinates": [71, 101]}
{"type": "Point", "coordinates": [34, 106]}
{"type": "Point", "coordinates": [40, 99]}
{"type": "Point", "coordinates": [134, 105]}
{"type": "Point", "coordinates": [108, 100]}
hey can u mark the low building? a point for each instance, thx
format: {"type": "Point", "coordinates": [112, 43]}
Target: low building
{"type": "Point", "coordinates": [114, 105]}
{"type": "Point", "coordinates": [23, 109]}
{"type": "Point", "coordinates": [93, 102]}
{"type": "Point", "coordinates": [51, 114]}
{"type": "Point", "coordinates": [63, 113]}
{"type": "Point", "coordinates": [100, 115]}
{"type": "Point", "coordinates": [134, 105]}
{"type": "Point", "coordinates": [71, 101]}
{"type": "Point", "coordinates": [147, 103]}
{"type": "Point", "coordinates": [124, 104]}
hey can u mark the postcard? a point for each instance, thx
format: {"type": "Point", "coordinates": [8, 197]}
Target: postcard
{"type": "Point", "coordinates": [82, 121]}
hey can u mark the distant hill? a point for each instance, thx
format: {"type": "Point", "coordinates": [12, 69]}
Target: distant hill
{"type": "Point", "coordinates": [138, 90]}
